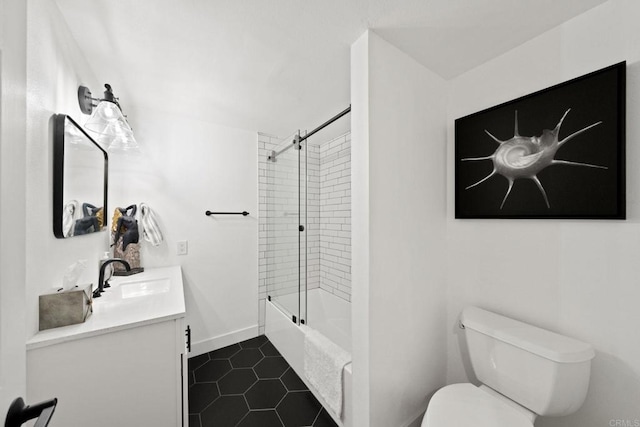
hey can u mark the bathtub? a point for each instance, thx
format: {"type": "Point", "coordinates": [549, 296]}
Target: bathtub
{"type": "Point", "coordinates": [326, 313]}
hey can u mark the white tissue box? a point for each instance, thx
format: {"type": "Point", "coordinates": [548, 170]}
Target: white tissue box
{"type": "Point", "coordinates": [65, 308]}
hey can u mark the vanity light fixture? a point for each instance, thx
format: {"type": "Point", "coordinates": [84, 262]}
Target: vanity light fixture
{"type": "Point", "coordinates": [107, 121]}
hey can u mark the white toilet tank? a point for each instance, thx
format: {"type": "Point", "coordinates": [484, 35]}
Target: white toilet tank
{"type": "Point", "coordinates": [545, 372]}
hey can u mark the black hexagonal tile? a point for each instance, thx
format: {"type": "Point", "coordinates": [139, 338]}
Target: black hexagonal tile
{"type": "Point", "coordinates": [269, 349]}
{"type": "Point", "coordinates": [265, 394]}
{"type": "Point", "coordinates": [224, 384]}
{"type": "Point", "coordinates": [254, 342]}
{"type": "Point", "coordinates": [292, 381]}
{"type": "Point", "coordinates": [268, 418]}
{"type": "Point", "coordinates": [194, 420]}
{"type": "Point", "coordinates": [323, 420]}
{"type": "Point", "coordinates": [213, 370]}
{"type": "Point", "coordinates": [271, 367]}
{"type": "Point", "coordinates": [202, 395]}
{"type": "Point", "coordinates": [197, 361]}
{"type": "Point", "coordinates": [237, 381]}
{"type": "Point", "coordinates": [246, 358]}
{"type": "Point", "coordinates": [225, 352]}
{"type": "Point", "coordinates": [226, 411]}
{"type": "Point", "coordinates": [298, 408]}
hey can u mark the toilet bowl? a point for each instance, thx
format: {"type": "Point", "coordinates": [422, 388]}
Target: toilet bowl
{"type": "Point", "coordinates": [524, 371]}
{"type": "Point", "coordinates": [468, 405]}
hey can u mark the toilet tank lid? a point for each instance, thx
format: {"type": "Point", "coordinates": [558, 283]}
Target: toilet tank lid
{"type": "Point", "coordinates": [542, 342]}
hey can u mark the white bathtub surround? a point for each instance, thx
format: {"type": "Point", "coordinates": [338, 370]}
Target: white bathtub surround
{"type": "Point", "coordinates": [335, 216]}
{"type": "Point", "coordinates": [324, 363]}
{"type": "Point", "coordinates": [328, 216]}
{"type": "Point", "coordinates": [329, 315]}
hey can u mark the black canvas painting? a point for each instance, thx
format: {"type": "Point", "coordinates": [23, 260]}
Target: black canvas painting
{"type": "Point", "coordinates": [556, 153]}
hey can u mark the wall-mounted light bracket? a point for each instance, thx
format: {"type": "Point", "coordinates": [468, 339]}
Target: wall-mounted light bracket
{"type": "Point", "coordinates": [87, 102]}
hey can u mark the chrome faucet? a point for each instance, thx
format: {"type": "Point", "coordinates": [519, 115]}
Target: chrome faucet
{"type": "Point", "coordinates": [101, 281]}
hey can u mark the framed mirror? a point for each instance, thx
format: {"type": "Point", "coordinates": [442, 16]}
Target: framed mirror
{"type": "Point", "coordinates": [80, 168]}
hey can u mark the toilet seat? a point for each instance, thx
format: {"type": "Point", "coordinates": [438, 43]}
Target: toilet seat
{"type": "Point", "coordinates": [467, 405]}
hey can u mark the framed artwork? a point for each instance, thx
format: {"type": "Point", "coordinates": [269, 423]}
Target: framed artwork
{"type": "Point", "coordinates": [556, 153]}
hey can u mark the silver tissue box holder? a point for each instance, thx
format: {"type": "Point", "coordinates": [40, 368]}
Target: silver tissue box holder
{"type": "Point", "coordinates": [65, 308]}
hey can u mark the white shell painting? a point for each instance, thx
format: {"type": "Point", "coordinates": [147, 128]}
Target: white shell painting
{"type": "Point", "coordinates": [557, 153]}
{"type": "Point", "coordinates": [524, 157]}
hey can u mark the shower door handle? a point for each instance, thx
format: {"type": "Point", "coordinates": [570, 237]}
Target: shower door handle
{"type": "Point", "coordinates": [301, 228]}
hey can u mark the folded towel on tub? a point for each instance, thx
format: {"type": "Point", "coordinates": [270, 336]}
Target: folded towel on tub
{"type": "Point", "coordinates": [324, 362]}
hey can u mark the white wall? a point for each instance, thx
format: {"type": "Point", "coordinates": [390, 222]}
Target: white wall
{"type": "Point", "coordinates": [13, 20]}
{"type": "Point", "coordinates": [579, 278]}
{"type": "Point", "coordinates": [55, 69]}
{"type": "Point", "coordinates": [42, 72]}
{"type": "Point", "coordinates": [187, 167]}
{"type": "Point", "coordinates": [399, 208]}
{"type": "Point", "coordinates": [360, 223]}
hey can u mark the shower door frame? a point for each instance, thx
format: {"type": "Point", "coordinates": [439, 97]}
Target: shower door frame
{"type": "Point", "coordinates": [297, 314]}
{"type": "Point", "coordinates": [300, 318]}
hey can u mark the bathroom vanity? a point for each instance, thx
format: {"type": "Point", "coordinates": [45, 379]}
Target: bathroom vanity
{"type": "Point", "coordinates": [126, 365]}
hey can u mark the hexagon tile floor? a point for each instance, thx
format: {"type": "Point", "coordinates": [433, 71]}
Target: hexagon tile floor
{"type": "Point", "coordinates": [250, 384]}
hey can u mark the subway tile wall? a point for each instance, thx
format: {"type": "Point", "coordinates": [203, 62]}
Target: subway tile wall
{"type": "Point", "coordinates": [335, 216]}
{"type": "Point", "coordinates": [326, 210]}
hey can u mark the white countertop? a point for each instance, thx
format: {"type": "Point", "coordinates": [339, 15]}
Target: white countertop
{"type": "Point", "coordinates": [153, 296]}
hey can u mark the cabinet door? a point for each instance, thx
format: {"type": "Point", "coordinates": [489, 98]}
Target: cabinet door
{"type": "Point", "coordinates": [123, 378]}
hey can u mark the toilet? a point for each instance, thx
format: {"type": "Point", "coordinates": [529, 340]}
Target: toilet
{"type": "Point", "coordinates": [525, 372]}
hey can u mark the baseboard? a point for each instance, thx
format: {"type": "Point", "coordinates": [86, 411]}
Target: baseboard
{"type": "Point", "coordinates": [417, 419]}
{"type": "Point", "coordinates": [210, 344]}
{"type": "Point", "coordinates": [418, 416]}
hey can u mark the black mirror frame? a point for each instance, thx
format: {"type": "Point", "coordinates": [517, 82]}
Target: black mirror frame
{"type": "Point", "coordinates": [58, 171]}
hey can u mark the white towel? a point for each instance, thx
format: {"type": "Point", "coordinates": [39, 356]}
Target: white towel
{"type": "Point", "coordinates": [323, 365]}
{"type": "Point", "coordinates": [150, 228]}
{"type": "Point", "coordinates": [68, 218]}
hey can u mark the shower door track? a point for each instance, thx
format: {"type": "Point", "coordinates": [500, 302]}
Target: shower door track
{"type": "Point", "coordinates": [299, 139]}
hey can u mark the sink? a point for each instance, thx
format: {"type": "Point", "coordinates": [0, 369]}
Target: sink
{"type": "Point", "coordinates": [143, 288]}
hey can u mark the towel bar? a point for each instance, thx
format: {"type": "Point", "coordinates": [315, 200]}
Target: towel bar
{"type": "Point", "coordinates": [243, 213]}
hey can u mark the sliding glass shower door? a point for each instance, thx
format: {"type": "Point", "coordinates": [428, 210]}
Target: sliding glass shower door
{"type": "Point", "coordinates": [286, 252]}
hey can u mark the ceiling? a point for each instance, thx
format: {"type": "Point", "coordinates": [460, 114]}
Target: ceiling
{"type": "Point", "coordinates": [279, 65]}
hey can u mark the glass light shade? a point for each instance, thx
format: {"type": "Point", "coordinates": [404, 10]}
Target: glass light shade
{"type": "Point", "coordinates": [124, 142]}
{"type": "Point", "coordinates": [111, 128]}
{"type": "Point", "coordinates": [73, 135]}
